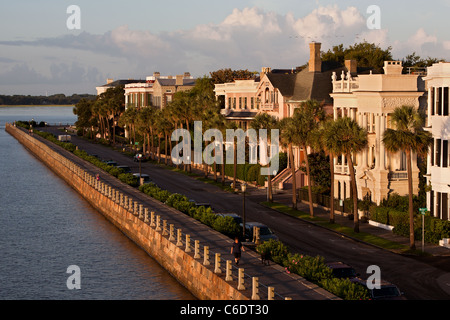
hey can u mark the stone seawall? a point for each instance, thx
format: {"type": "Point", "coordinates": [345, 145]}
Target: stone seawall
{"type": "Point", "coordinates": [197, 276]}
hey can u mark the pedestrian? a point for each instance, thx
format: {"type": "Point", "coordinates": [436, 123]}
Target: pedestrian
{"type": "Point", "coordinates": [98, 177]}
{"type": "Point", "coordinates": [236, 249]}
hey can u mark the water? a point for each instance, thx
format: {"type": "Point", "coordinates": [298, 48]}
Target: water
{"type": "Point", "coordinates": [47, 227]}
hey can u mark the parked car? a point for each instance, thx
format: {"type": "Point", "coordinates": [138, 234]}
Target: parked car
{"type": "Point", "coordinates": [146, 177]}
{"type": "Point", "coordinates": [235, 217]}
{"type": "Point", "coordinates": [265, 233]}
{"type": "Point", "coordinates": [387, 291]}
{"type": "Point", "coordinates": [343, 271]}
{"type": "Point", "coordinates": [110, 163]}
{"type": "Point", "coordinates": [201, 204]}
{"type": "Point", "coordinates": [126, 169]}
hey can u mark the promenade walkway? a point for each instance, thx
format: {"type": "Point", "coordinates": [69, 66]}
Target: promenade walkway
{"type": "Point", "coordinates": [436, 271]}
{"type": "Point", "coordinates": [285, 285]}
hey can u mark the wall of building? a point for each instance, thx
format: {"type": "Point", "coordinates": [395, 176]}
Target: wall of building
{"type": "Point", "coordinates": [192, 273]}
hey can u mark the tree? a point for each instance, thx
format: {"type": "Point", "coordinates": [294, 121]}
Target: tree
{"type": "Point", "coordinates": [368, 55]}
{"type": "Point", "coordinates": [346, 137]}
{"type": "Point", "coordinates": [322, 141]}
{"type": "Point", "coordinates": [306, 118]}
{"type": "Point", "coordinates": [289, 138]}
{"type": "Point", "coordinates": [409, 136]}
{"type": "Point", "coordinates": [268, 122]}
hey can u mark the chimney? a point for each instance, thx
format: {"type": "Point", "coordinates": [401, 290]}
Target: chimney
{"type": "Point", "coordinates": [187, 75]}
{"type": "Point", "coordinates": [315, 62]}
{"type": "Point", "coordinates": [264, 71]}
{"type": "Point", "coordinates": [352, 66]}
{"type": "Point", "coordinates": [109, 80]}
{"type": "Point", "coordinates": [156, 75]}
{"type": "Point", "coordinates": [393, 67]}
{"type": "Point", "coordinates": [179, 80]}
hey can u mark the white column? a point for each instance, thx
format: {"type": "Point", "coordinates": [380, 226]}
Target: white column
{"type": "Point", "coordinates": [377, 141]}
{"type": "Point", "coordinates": [382, 149]}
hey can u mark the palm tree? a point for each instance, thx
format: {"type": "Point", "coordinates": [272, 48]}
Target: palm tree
{"type": "Point", "coordinates": [320, 142]}
{"type": "Point", "coordinates": [289, 138]}
{"type": "Point", "coordinates": [268, 122]}
{"type": "Point", "coordinates": [410, 137]}
{"type": "Point", "coordinates": [345, 136]}
{"type": "Point", "coordinates": [306, 118]}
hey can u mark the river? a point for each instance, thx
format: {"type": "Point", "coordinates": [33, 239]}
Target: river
{"type": "Point", "coordinates": [46, 227]}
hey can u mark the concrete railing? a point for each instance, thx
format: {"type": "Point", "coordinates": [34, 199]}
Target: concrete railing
{"type": "Point", "coordinates": [86, 183]}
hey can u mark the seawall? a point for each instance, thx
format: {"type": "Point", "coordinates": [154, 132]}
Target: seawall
{"type": "Point", "coordinates": [198, 275]}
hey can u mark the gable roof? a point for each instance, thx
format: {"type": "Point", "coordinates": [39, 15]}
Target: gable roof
{"type": "Point", "coordinates": [305, 85]}
{"type": "Point", "coordinates": [122, 82]}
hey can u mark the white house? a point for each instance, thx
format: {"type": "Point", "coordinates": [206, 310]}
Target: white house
{"type": "Point", "coordinates": [438, 122]}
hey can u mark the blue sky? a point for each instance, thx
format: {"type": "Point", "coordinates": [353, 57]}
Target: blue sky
{"type": "Point", "coordinates": [132, 39]}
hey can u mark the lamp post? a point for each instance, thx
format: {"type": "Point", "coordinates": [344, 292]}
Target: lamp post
{"type": "Point", "coordinates": [139, 156]}
{"type": "Point", "coordinates": [243, 188]}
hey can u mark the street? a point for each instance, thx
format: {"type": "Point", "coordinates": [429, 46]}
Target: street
{"type": "Point", "coordinates": [418, 280]}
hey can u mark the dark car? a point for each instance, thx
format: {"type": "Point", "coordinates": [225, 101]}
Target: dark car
{"type": "Point", "coordinates": [387, 291]}
{"type": "Point", "coordinates": [126, 169]}
{"type": "Point", "coordinates": [343, 271]}
{"type": "Point", "coordinates": [235, 217]}
{"type": "Point", "coordinates": [265, 233]}
{"type": "Point", "coordinates": [201, 204]}
{"type": "Point", "coordinates": [146, 177]}
{"type": "Point", "coordinates": [111, 163]}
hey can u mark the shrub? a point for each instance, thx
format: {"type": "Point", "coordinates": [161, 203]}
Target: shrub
{"type": "Point", "coordinates": [278, 251]}
{"type": "Point", "coordinates": [128, 178]}
{"type": "Point", "coordinates": [345, 289]}
{"type": "Point", "coordinates": [311, 268]}
{"type": "Point", "coordinates": [227, 226]}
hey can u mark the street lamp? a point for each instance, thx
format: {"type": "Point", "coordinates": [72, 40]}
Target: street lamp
{"type": "Point", "coordinates": [243, 188]}
{"type": "Point", "coordinates": [139, 156]}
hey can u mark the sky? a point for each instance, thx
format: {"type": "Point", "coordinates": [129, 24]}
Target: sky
{"type": "Point", "coordinates": [42, 53]}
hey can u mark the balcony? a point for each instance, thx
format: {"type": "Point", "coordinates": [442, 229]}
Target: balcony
{"type": "Point", "coordinates": [398, 176]}
{"type": "Point", "coordinates": [345, 84]}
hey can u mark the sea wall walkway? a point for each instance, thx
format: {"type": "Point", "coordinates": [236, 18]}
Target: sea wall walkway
{"type": "Point", "coordinates": [187, 249]}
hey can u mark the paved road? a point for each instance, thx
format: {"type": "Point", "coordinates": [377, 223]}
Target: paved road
{"type": "Point", "coordinates": [420, 280]}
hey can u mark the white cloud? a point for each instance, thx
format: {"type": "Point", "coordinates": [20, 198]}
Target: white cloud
{"type": "Point", "coordinates": [250, 38]}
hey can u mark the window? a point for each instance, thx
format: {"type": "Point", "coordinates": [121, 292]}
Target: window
{"type": "Point", "coordinates": [432, 154]}
{"type": "Point", "coordinates": [432, 101]}
{"type": "Point", "coordinates": [229, 102]}
{"type": "Point", "coordinates": [240, 102]}
{"type": "Point", "coordinates": [252, 102]}
{"type": "Point", "coordinates": [234, 103]}
{"type": "Point", "coordinates": [245, 103]}
{"type": "Point", "coordinates": [445, 106]}
{"type": "Point", "coordinates": [438, 152]}
{"type": "Point", "coordinates": [438, 102]}
{"type": "Point", "coordinates": [445, 153]}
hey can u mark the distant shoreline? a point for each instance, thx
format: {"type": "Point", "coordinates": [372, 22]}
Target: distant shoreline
{"type": "Point", "coordinates": [36, 105]}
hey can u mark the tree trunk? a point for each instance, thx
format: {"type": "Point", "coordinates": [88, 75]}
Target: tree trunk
{"type": "Point", "coordinates": [294, 180]}
{"type": "Point", "coordinates": [311, 205]}
{"type": "Point", "coordinates": [354, 193]}
{"type": "Point", "coordinates": [412, 244]}
{"type": "Point", "coordinates": [332, 188]}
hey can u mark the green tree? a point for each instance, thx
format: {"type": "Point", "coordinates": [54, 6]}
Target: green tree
{"type": "Point", "coordinates": [268, 122]}
{"type": "Point", "coordinates": [289, 138]}
{"type": "Point", "coordinates": [307, 118]}
{"type": "Point", "coordinates": [345, 136]}
{"type": "Point", "coordinates": [410, 137]}
{"type": "Point", "coordinates": [368, 55]}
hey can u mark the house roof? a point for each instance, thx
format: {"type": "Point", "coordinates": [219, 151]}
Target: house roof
{"type": "Point", "coordinates": [305, 85]}
{"type": "Point", "coordinates": [172, 82]}
{"type": "Point", "coordinates": [122, 82]}
{"type": "Point", "coordinates": [241, 115]}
